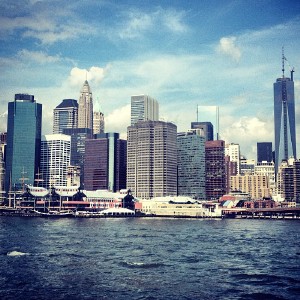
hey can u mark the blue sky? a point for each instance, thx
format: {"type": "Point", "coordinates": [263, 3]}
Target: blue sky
{"type": "Point", "coordinates": [183, 53]}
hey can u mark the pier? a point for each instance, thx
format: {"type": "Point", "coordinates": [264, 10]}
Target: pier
{"type": "Point", "coordinates": [263, 213]}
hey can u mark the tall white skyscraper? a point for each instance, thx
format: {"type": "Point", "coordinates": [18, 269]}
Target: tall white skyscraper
{"type": "Point", "coordinates": [143, 108]}
{"type": "Point", "coordinates": [85, 108]}
{"type": "Point", "coordinates": [65, 115]}
{"type": "Point", "coordinates": [152, 159]}
{"type": "Point", "coordinates": [233, 151]}
{"type": "Point", "coordinates": [55, 159]}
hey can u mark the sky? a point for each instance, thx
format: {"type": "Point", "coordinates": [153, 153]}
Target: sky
{"type": "Point", "coordinates": [183, 53]}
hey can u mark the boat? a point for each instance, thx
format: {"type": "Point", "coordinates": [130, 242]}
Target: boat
{"type": "Point", "coordinates": [55, 213]}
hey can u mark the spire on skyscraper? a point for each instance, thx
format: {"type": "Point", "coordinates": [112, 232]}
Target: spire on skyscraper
{"type": "Point", "coordinates": [85, 108]}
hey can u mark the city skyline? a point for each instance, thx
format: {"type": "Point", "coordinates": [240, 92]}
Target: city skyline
{"type": "Point", "coordinates": [225, 53]}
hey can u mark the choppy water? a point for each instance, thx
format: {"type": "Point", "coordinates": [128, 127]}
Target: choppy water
{"type": "Point", "coordinates": [139, 258]}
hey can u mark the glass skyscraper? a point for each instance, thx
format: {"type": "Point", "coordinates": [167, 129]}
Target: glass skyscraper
{"type": "Point", "coordinates": [65, 115]}
{"type": "Point", "coordinates": [191, 164]}
{"type": "Point", "coordinates": [23, 141]}
{"type": "Point", "coordinates": [284, 120]}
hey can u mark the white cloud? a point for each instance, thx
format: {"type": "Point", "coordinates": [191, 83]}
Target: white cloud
{"type": "Point", "coordinates": [46, 26]}
{"type": "Point", "coordinates": [247, 131]}
{"type": "Point", "coordinates": [37, 56]}
{"type": "Point", "coordinates": [94, 74]}
{"type": "Point", "coordinates": [137, 23]}
{"type": "Point", "coordinates": [227, 46]}
{"type": "Point", "coordinates": [174, 20]}
{"type": "Point", "coordinates": [118, 120]}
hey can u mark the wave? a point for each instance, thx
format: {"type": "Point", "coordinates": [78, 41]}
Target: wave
{"type": "Point", "coordinates": [16, 253]}
{"type": "Point", "coordinates": [141, 265]}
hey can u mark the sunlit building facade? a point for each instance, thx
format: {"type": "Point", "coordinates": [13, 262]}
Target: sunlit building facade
{"type": "Point", "coordinates": [152, 159]}
{"type": "Point", "coordinates": [55, 159]}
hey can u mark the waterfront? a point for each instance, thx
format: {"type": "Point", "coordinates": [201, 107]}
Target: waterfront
{"type": "Point", "coordinates": [145, 258]}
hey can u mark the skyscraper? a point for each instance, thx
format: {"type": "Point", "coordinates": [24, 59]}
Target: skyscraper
{"type": "Point", "coordinates": [105, 163]}
{"type": "Point", "coordinates": [233, 151]}
{"type": "Point", "coordinates": [191, 164]}
{"type": "Point", "coordinates": [144, 108]}
{"type": "Point", "coordinates": [215, 179]}
{"type": "Point", "coordinates": [78, 138]}
{"type": "Point", "coordinates": [206, 127]}
{"type": "Point", "coordinates": [152, 159]}
{"type": "Point", "coordinates": [85, 108]}
{"type": "Point", "coordinates": [55, 159]}
{"type": "Point", "coordinates": [24, 125]}
{"type": "Point", "coordinates": [264, 152]}
{"type": "Point", "coordinates": [65, 115]}
{"type": "Point", "coordinates": [98, 122]}
{"type": "Point", "coordinates": [284, 118]}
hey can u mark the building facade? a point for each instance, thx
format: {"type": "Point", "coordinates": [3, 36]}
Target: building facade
{"type": "Point", "coordinates": [55, 159]}
{"type": "Point", "coordinates": [233, 151]}
{"type": "Point", "coordinates": [215, 179]}
{"type": "Point", "coordinates": [98, 122]}
{"type": "Point", "coordinates": [65, 115]}
{"type": "Point", "coordinates": [207, 129]}
{"type": "Point", "coordinates": [152, 159]}
{"type": "Point", "coordinates": [105, 163]}
{"type": "Point", "coordinates": [264, 152]}
{"type": "Point", "coordinates": [284, 119]}
{"type": "Point", "coordinates": [78, 138]}
{"type": "Point", "coordinates": [191, 164]}
{"type": "Point", "coordinates": [85, 107]}
{"type": "Point", "coordinates": [143, 108]}
{"type": "Point", "coordinates": [231, 169]}
{"type": "Point", "coordinates": [267, 169]}
{"type": "Point", "coordinates": [24, 125]}
{"type": "Point", "coordinates": [288, 180]}
{"type": "Point", "coordinates": [257, 186]}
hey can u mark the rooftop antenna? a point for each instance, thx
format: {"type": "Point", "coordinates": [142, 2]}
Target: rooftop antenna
{"type": "Point", "coordinates": [86, 73]}
{"type": "Point", "coordinates": [283, 58]}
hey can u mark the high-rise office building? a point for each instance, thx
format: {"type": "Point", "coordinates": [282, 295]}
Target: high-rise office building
{"type": "Point", "coordinates": [24, 125]}
{"type": "Point", "coordinates": [191, 164]}
{"type": "Point", "coordinates": [78, 138]}
{"type": "Point", "coordinates": [55, 159]}
{"type": "Point", "coordinates": [284, 118]}
{"type": "Point", "coordinates": [233, 151]}
{"type": "Point", "coordinates": [215, 179]}
{"type": "Point", "coordinates": [85, 107]}
{"type": "Point", "coordinates": [98, 120]}
{"type": "Point", "coordinates": [209, 113]}
{"type": "Point", "coordinates": [152, 159]}
{"type": "Point", "coordinates": [105, 163]}
{"type": "Point", "coordinates": [288, 180]}
{"type": "Point", "coordinates": [206, 127]}
{"type": "Point", "coordinates": [65, 115]}
{"type": "Point", "coordinates": [143, 108]}
{"type": "Point", "coordinates": [264, 152]}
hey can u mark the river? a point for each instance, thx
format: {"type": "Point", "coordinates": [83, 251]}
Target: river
{"type": "Point", "coordinates": [149, 258]}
